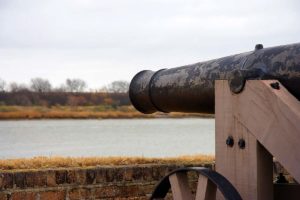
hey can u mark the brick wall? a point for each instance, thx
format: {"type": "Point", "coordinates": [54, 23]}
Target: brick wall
{"type": "Point", "coordinates": [123, 182]}
{"type": "Point", "coordinates": [117, 182]}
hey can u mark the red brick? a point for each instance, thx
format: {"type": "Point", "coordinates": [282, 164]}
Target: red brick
{"type": "Point", "coordinates": [36, 179]}
{"type": "Point", "coordinates": [156, 173]}
{"type": "Point", "coordinates": [119, 174]}
{"type": "Point", "coordinates": [71, 177]}
{"type": "Point", "coordinates": [110, 174]}
{"type": "Point", "coordinates": [53, 195]}
{"type": "Point", "coordinates": [146, 189]}
{"type": "Point", "coordinates": [51, 178]}
{"type": "Point", "coordinates": [131, 190]}
{"type": "Point", "coordinates": [90, 176]}
{"type": "Point", "coordinates": [23, 196]}
{"type": "Point", "coordinates": [3, 196]}
{"type": "Point", "coordinates": [60, 176]}
{"type": "Point", "coordinates": [137, 174]}
{"type": "Point", "coordinates": [80, 193]}
{"type": "Point", "coordinates": [6, 180]}
{"type": "Point", "coordinates": [163, 171]}
{"type": "Point", "coordinates": [128, 174]}
{"type": "Point", "coordinates": [147, 173]}
{"type": "Point", "coordinates": [132, 198]}
{"type": "Point", "coordinates": [107, 191]}
{"type": "Point", "coordinates": [20, 180]}
{"type": "Point", "coordinates": [74, 194]}
{"type": "Point", "coordinates": [86, 193]}
{"type": "Point", "coordinates": [101, 175]}
{"type": "Point", "coordinates": [80, 176]}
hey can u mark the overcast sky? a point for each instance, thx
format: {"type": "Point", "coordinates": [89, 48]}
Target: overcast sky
{"type": "Point", "coordinates": [105, 40]}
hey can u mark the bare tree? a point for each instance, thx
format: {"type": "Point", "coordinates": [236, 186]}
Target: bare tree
{"type": "Point", "coordinates": [2, 85]}
{"type": "Point", "coordinates": [75, 85]}
{"type": "Point", "coordinates": [40, 85]}
{"type": "Point", "coordinates": [103, 89]}
{"type": "Point", "coordinates": [15, 87]}
{"type": "Point", "coordinates": [61, 88]}
{"type": "Point", "coordinates": [118, 87]}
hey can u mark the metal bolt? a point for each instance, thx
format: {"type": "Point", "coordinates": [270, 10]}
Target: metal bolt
{"type": "Point", "coordinates": [258, 47]}
{"type": "Point", "coordinates": [275, 85]}
{"type": "Point", "coordinates": [230, 141]}
{"type": "Point", "coordinates": [242, 143]}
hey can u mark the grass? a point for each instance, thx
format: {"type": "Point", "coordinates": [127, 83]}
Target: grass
{"type": "Point", "coordinates": [67, 162]}
{"type": "Point", "coordinates": [82, 112]}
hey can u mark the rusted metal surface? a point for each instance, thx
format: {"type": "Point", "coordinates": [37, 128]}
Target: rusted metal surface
{"type": "Point", "coordinates": [190, 88]}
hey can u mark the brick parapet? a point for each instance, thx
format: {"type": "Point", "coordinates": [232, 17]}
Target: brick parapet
{"type": "Point", "coordinates": [103, 182]}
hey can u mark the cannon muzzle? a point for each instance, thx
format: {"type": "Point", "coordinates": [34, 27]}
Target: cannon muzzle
{"type": "Point", "coordinates": [190, 88]}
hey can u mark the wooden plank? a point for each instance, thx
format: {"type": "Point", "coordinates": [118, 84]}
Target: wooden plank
{"type": "Point", "coordinates": [180, 186]}
{"type": "Point", "coordinates": [265, 188]}
{"type": "Point", "coordinates": [248, 169]}
{"type": "Point", "coordinates": [206, 190]}
{"type": "Point", "coordinates": [273, 117]}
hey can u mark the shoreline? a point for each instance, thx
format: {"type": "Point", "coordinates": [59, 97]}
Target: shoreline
{"type": "Point", "coordinates": [85, 112]}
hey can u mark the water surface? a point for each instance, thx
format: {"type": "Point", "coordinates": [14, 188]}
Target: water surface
{"type": "Point", "coordinates": [115, 137]}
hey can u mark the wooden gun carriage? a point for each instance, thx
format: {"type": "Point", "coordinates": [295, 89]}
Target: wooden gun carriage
{"type": "Point", "coordinates": [255, 98]}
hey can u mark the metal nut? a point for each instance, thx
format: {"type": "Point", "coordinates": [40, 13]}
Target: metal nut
{"type": "Point", "coordinates": [242, 143]}
{"type": "Point", "coordinates": [275, 85]}
{"type": "Point", "coordinates": [230, 141]}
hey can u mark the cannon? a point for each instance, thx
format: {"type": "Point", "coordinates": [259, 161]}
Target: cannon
{"type": "Point", "coordinates": [190, 88]}
{"type": "Point", "coordinates": [255, 97]}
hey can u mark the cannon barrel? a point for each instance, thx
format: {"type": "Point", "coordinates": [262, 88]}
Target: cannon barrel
{"type": "Point", "coordinates": [190, 88]}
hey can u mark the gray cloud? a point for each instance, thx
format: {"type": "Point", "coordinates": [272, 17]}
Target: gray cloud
{"type": "Point", "coordinates": [102, 41]}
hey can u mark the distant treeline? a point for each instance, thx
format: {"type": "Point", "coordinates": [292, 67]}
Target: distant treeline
{"type": "Point", "coordinates": [40, 92]}
{"type": "Point", "coordinates": [70, 85]}
{"type": "Point", "coordinates": [29, 98]}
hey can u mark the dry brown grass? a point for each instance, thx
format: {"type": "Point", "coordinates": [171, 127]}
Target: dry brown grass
{"type": "Point", "coordinates": [66, 162]}
{"type": "Point", "coordinates": [64, 112]}
{"type": "Point", "coordinates": [82, 112]}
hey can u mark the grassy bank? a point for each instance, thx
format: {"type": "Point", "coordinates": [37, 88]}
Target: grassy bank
{"type": "Point", "coordinates": [82, 112]}
{"type": "Point", "coordinates": [65, 162]}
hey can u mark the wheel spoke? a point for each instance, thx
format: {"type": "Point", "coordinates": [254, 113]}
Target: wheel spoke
{"type": "Point", "coordinates": [206, 190]}
{"type": "Point", "coordinates": [208, 183]}
{"type": "Point", "coordinates": [180, 186]}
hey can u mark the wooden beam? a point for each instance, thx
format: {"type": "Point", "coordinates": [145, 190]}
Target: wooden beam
{"type": "Point", "coordinates": [273, 117]}
{"type": "Point", "coordinates": [249, 169]}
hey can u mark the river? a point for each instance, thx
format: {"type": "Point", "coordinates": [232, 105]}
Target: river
{"type": "Point", "coordinates": [110, 137]}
